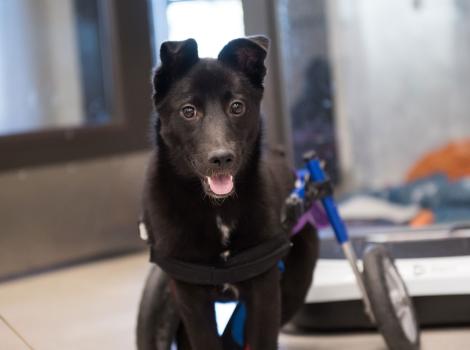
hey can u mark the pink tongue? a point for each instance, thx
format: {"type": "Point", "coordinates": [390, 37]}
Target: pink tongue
{"type": "Point", "coordinates": [221, 184]}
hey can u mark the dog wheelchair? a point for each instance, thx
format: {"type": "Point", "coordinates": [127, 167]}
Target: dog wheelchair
{"type": "Point", "coordinates": [384, 294]}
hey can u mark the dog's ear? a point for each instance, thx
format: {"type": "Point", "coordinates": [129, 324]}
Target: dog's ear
{"type": "Point", "coordinates": [247, 55]}
{"type": "Point", "coordinates": [177, 57]}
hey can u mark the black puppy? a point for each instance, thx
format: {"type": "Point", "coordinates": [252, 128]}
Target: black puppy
{"type": "Point", "coordinates": [209, 191]}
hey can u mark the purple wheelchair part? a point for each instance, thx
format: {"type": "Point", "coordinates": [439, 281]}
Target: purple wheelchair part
{"type": "Point", "coordinates": [315, 216]}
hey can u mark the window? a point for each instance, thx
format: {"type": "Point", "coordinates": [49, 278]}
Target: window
{"type": "Point", "coordinates": [74, 79]}
{"type": "Point", "coordinates": [51, 68]}
{"type": "Point", "coordinates": [307, 79]}
{"type": "Point", "coordinates": [212, 23]}
{"type": "Point", "coordinates": [387, 84]}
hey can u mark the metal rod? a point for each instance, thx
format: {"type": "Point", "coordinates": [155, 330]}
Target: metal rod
{"type": "Point", "coordinates": [350, 255]}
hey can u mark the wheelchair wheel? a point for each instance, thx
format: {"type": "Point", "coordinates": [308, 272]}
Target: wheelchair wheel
{"type": "Point", "coordinates": [158, 320]}
{"type": "Point", "coordinates": [392, 307]}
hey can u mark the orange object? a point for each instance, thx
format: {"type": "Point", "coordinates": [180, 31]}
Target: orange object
{"type": "Point", "coordinates": [424, 218]}
{"type": "Point", "coordinates": [452, 159]}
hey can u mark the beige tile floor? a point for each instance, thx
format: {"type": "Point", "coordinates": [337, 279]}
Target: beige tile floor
{"type": "Point", "coordinates": [93, 307]}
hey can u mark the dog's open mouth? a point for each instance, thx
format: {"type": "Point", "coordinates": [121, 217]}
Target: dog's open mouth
{"type": "Point", "coordinates": [220, 185]}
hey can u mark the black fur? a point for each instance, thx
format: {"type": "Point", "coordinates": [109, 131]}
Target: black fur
{"type": "Point", "coordinates": [180, 210]}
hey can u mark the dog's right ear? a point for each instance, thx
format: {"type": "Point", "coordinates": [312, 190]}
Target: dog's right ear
{"type": "Point", "coordinates": [177, 58]}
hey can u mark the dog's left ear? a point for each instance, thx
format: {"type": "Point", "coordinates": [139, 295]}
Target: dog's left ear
{"type": "Point", "coordinates": [247, 55]}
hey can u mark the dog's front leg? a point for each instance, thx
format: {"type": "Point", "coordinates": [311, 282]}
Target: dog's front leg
{"type": "Point", "coordinates": [263, 301]}
{"type": "Point", "coordinates": [196, 309]}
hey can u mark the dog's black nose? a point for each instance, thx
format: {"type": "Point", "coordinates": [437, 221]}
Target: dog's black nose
{"type": "Point", "coordinates": [221, 158]}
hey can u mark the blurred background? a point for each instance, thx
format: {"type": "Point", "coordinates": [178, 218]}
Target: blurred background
{"type": "Point", "coordinates": [381, 89]}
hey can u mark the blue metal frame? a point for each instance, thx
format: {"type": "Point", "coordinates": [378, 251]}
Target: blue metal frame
{"type": "Point", "coordinates": [318, 175]}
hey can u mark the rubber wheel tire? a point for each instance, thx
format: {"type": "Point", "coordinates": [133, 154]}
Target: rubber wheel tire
{"type": "Point", "coordinates": [380, 273]}
{"type": "Point", "coordinates": [158, 320]}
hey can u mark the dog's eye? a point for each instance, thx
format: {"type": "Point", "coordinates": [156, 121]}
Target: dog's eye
{"type": "Point", "coordinates": [237, 108]}
{"type": "Point", "coordinates": [188, 111]}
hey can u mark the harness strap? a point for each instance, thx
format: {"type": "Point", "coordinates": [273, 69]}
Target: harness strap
{"type": "Point", "coordinates": [240, 267]}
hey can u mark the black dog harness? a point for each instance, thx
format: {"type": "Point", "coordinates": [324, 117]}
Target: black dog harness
{"type": "Point", "coordinates": [239, 267]}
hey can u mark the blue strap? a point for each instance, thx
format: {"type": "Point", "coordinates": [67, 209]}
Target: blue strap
{"type": "Point", "coordinates": [238, 325]}
{"type": "Point", "coordinates": [239, 316]}
{"type": "Point", "coordinates": [281, 266]}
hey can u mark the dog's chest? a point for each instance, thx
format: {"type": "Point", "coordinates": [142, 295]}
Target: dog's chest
{"type": "Point", "coordinates": [225, 230]}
